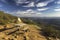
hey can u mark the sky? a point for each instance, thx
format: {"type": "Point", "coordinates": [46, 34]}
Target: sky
{"type": "Point", "coordinates": [31, 8]}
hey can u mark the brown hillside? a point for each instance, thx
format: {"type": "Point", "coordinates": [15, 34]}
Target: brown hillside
{"type": "Point", "coordinates": [21, 32]}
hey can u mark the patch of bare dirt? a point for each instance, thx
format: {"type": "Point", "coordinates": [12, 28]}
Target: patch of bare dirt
{"type": "Point", "coordinates": [20, 32]}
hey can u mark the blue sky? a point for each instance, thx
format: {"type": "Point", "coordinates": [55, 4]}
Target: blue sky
{"type": "Point", "coordinates": [31, 8]}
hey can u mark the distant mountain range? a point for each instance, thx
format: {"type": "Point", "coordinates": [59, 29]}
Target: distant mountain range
{"type": "Point", "coordinates": [46, 21]}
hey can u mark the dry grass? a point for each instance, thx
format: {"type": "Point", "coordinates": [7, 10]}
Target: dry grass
{"type": "Point", "coordinates": [25, 32]}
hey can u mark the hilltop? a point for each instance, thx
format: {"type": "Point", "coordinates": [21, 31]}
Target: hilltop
{"type": "Point", "coordinates": [25, 30]}
{"type": "Point", "coordinates": [12, 29]}
{"type": "Point", "coordinates": [6, 18]}
{"type": "Point", "coordinates": [17, 31]}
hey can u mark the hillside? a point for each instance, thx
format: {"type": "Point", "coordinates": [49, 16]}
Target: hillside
{"type": "Point", "coordinates": [17, 31]}
{"type": "Point", "coordinates": [21, 32]}
{"type": "Point", "coordinates": [6, 18]}
{"type": "Point", "coordinates": [13, 29]}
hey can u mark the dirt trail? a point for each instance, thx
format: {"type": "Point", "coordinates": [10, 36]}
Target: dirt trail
{"type": "Point", "coordinates": [21, 32]}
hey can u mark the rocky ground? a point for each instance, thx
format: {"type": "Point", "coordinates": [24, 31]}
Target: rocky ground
{"type": "Point", "coordinates": [21, 31]}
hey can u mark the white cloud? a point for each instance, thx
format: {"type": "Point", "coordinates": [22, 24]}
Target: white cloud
{"type": "Point", "coordinates": [27, 13]}
{"type": "Point", "coordinates": [42, 9]}
{"type": "Point", "coordinates": [32, 13]}
{"type": "Point", "coordinates": [57, 2]}
{"type": "Point", "coordinates": [42, 4]}
{"type": "Point", "coordinates": [56, 14]}
{"type": "Point", "coordinates": [21, 1]}
{"type": "Point", "coordinates": [30, 5]}
{"type": "Point", "coordinates": [57, 9]}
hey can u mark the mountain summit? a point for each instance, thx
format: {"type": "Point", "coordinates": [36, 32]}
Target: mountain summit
{"type": "Point", "coordinates": [15, 28]}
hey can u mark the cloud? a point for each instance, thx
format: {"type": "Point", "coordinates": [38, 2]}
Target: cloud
{"type": "Point", "coordinates": [30, 5]}
{"type": "Point", "coordinates": [57, 2]}
{"type": "Point", "coordinates": [32, 13]}
{"type": "Point", "coordinates": [27, 13]}
{"type": "Point", "coordinates": [42, 9]}
{"type": "Point", "coordinates": [36, 14]}
{"type": "Point", "coordinates": [42, 4]}
{"type": "Point", "coordinates": [21, 1]}
{"type": "Point", "coordinates": [55, 14]}
{"type": "Point", "coordinates": [57, 9]}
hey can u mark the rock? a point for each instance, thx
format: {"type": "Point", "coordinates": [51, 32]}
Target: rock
{"type": "Point", "coordinates": [1, 27]}
{"type": "Point", "coordinates": [24, 32]}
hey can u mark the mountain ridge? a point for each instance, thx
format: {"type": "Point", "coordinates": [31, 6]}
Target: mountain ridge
{"type": "Point", "coordinates": [12, 29]}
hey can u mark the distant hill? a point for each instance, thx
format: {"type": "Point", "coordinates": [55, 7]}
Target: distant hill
{"type": "Point", "coordinates": [6, 18]}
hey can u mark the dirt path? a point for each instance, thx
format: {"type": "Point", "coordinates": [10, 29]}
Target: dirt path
{"type": "Point", "coordinates": [21, 32]}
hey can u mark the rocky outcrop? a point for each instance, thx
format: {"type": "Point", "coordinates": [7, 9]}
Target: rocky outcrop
{"type": "Point", "coordinates": [24, 32]}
